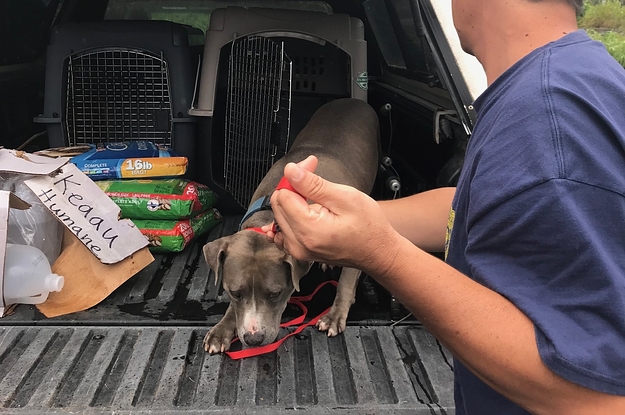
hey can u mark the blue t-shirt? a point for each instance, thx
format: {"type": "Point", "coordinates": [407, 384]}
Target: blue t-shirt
{"type": "Point", "coordinates": [539, 213]}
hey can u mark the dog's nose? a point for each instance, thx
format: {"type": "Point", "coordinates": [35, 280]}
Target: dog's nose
{"type": "Point", "coordinates": [254, 339]}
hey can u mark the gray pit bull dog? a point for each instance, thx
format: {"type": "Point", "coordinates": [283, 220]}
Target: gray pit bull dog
{"type": "Point", "coordinates": [258, 277]}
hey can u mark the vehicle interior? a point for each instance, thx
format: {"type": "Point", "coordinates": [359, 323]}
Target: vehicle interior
{"type": "Point", "coordinates": [173, 71]}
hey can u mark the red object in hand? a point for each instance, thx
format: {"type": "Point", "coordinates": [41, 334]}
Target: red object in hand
{"type": "Point", "coordinates": [283, 184]}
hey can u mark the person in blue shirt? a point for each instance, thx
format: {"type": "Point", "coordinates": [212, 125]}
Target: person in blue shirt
{"type": "Point", "coordinates": [531, 297]}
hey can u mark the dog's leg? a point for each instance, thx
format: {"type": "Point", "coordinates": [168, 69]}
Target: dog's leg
{"type": "Point", "coordinates": [335, 321]}
{"type": "Point", "coordinates": [218, 339]}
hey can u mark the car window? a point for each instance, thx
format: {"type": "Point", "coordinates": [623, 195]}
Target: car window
{"type": "Point", "coordinates": [402, 44]}
{"type": "Point", "coordinates": [382, 26]}
{"type": "Point", "coordinates": [196, 13]}
{"type": "Point", "coordinates": [413, 46]}
{"type": "Point", "coordinates": [24, 29]}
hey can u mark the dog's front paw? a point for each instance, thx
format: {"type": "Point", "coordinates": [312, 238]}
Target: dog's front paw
{"type": "Point", "coordinates": [334, 322]}
{"type": "Point", "coordinates": [218, 339]}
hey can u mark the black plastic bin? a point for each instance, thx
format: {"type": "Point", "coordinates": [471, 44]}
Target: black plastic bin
{"type": "Point", "coordinates": [120, 81]}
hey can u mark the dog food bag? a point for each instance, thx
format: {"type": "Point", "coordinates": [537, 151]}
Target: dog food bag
{"type": "Point", "coordinates": [159, 199]}
{"type": "Point", "coordinates": [130, 159]}
{"type": "Point", "coordinates": [173, 236]}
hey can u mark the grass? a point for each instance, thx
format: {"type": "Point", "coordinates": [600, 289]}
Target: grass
{"type": "Point", "coordinates": [605, 22]}
{"type": "Point", "coordinates": [608, 15]}
{"type": "Point", "coordinates": [614, 42]}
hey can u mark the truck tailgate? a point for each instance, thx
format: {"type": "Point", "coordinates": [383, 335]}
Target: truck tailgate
{"type": "Point", "coordinates": [141, 351]}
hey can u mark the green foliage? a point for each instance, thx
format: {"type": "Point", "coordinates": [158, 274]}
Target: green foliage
{"type": "Point", "coordinates": [608, 14]}
{"type": "Point", "coordinates": [614, 42]}
{"type": "Point", "coordinates": [194, 19]}
{"type": "Point", "coordinates": [604, 20]}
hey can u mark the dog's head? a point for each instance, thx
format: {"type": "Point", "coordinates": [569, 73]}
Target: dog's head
{"type": "Point", "coordinates": [259, 278]}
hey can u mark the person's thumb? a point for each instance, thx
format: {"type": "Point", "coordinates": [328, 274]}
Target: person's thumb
{"type": "Point", "coordinates": [309, 163]}
{"type": "Point", "coordinates": [311, 186]}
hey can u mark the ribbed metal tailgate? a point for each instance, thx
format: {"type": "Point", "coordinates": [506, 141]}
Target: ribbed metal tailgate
{"type": "Point", "coordinates": [140, 351]}
{"type": "Point", "coordinates": [368, 370]}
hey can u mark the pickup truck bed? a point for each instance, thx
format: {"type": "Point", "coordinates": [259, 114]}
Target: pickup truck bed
{"type": "Point", "coordinates": [141, 351]}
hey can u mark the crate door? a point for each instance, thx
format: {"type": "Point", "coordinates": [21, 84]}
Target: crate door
{"type": "Point", "coordinates": [258, 108]}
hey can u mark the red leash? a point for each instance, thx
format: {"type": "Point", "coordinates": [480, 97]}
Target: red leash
{"type": "Point", "coordinates": [298, 301]}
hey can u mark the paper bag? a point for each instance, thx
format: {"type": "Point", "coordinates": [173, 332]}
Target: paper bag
{"type": "Point", "coordinates": [87, 280]}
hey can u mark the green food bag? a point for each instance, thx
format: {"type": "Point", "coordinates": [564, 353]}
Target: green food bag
{"type": "Point", "coordinates": [173, 236]}
{"type": "Point", "coordinates": [159, 199]}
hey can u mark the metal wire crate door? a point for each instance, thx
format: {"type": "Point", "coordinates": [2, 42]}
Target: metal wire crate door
{"type": "Point", "coordinates": [258, 111]}
{"type": "Point", "coordinates": [118, 95]}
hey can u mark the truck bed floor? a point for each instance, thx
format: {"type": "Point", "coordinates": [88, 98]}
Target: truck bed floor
{"type": "Point", "coordinates": [141, 351]}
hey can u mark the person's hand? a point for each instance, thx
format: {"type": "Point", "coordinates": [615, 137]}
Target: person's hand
{"type": "Point", "coordinates": [342, 226]}
{"type": "Point", "coordinates": [273, 230]}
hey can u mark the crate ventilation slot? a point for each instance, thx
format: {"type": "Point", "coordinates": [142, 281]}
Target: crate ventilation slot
{"type": "Point", "coordinates": [116, 95]}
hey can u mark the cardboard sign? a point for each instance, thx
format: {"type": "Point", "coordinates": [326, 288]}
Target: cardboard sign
{"type": "Point", "coordinates": [88, 213]}
{"type": "Point", "coordinates": [14, 161]}
{"type": "Point", "coordinates": [78, 204]}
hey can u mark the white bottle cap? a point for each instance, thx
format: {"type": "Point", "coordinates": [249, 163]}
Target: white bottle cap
{"type": "Point", "coordinates": [54, 282]}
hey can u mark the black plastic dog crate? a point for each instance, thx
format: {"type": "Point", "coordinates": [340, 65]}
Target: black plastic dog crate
{"type": "Point", "coordinates": [121, 81]}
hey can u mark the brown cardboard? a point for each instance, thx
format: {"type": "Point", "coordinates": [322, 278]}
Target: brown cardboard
{"type": "Point", "coordinates": [87, 280]}
{"type": "Point", "coordinates": [63, 151]}
{"type": "Point", "coordinates": [31, 164]}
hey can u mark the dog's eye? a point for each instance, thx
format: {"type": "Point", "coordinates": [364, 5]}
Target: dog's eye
{"type": "Point", "coordinates": [273, 295]}
{"type": "Point", "coordinates": [236, 295]}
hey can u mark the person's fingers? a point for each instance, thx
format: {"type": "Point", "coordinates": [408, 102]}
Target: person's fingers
{"type": "Point", "coordinates": [271, 235]}
{"type": "Point", "coordinates": [269, 230]}
{"type": "Point", "coordinates": [278, 239]}
{"type": "Point", "coordinates": [274, 235]}
{"type": "Point", "coordinates": [292, 227]}
{"type": "Point", "coordinates": [312, 187]}
{"type": "Point", "coordinates": [321, 210]}
{"type": "Point", "coordinates": [309, 163]}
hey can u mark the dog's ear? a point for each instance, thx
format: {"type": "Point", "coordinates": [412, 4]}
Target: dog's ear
{"type": "Point", "coordinates": [298, 269]}
{"type": "Point", "coordinates": [214, 254]}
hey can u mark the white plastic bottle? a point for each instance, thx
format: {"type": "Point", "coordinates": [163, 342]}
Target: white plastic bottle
{"type": "Point", "coordinates": [28, 278]}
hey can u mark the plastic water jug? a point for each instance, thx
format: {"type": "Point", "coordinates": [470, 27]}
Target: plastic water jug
{"type": "Point", "coordinates": [28, 278]}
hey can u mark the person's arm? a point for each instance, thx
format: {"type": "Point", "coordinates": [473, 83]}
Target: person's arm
{"type": "Point", "coordinates": [484, 330]}
{"type": "Point", "coordinates": [421, 218]}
